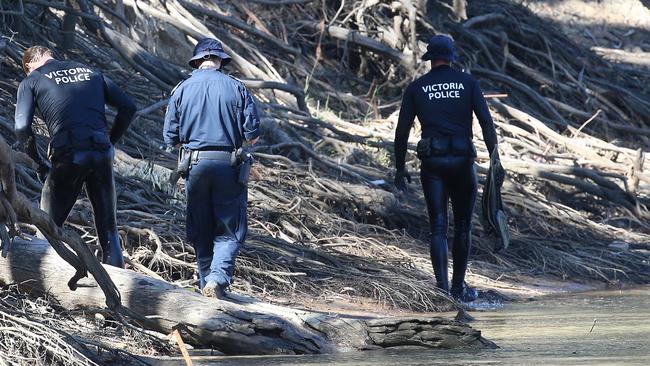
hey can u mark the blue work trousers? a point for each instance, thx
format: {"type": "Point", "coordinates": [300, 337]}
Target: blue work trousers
{"type": "Point", "coordinates": [216, 219]}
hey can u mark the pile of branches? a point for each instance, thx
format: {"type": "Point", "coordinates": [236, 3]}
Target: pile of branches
{"type": "Point", "coordinates": [38, 332]}
{"type": "Point", "coordinates": [325, 222]}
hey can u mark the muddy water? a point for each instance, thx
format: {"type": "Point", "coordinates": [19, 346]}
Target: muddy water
{"type": "Point", "coordinates": [599, 328]}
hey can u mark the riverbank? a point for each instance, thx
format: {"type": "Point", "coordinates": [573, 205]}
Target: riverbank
{"type": "Point", "coordinates": [493, 294]}
{"type": "Point", "coordinates": [109, 340]}
{"type": "Point", "coordinates": [586, 328]}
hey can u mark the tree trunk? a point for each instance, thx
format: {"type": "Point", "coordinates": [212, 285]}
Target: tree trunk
{"type": "Point", "coordinates": [239, 326]}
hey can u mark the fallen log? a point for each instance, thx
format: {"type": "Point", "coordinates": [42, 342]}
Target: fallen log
{"type": "Point", "coordinates": [239, 326]}
{"type": "Point", "coordinates": [618, 56]}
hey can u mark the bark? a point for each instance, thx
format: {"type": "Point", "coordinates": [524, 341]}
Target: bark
{"type": "Point", "coordinates": [239, 326]}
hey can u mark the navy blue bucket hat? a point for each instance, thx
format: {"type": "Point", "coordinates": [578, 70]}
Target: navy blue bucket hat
{"type": "Point", "coordinates": [209, 47]}
{"type": "Point", "coordinates": [441, 48]}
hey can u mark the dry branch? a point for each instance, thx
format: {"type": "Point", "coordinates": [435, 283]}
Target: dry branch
{"type": "Point", "coordinates": [355, 38]}
{"type": "Point", "coordinates": [231, 20]}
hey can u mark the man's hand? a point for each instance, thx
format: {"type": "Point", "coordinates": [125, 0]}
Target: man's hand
{"type": "Point", "coordinates": [256, 175]}
{"type": "Point", "coordinates": [254, 141]}
{"type": "Point", "coordinates": [43, 171]}
{"type": "Point", "coordinates": [400, 184]}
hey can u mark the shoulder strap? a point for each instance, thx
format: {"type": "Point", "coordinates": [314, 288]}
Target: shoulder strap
{"type": "Point", "coordinates": [176, 87]}
{"type": "Point", "coordinates": [234, 78]}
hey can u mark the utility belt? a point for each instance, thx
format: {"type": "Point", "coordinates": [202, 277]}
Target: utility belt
{"type": "Point", "coordinates": [445, 145]}
{"type": "Point", "coordinates": [80, 139]}
{"type": "Point", "coordinates": [239, 158]}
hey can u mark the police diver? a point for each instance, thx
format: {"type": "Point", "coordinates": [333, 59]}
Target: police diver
{"type": "Point", "coordinates": [71, 98]}
{"type": "Point", "coordinates": [210, 115]}
{"type": "Point", "coordinates": [443, 100]}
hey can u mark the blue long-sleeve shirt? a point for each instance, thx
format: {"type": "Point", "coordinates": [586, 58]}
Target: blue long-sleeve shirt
{"type": "Point", "coordinates": [70, 97]}
{"type": "Point", "coordinates": [443, 100]}
{"type": "Point", "coordinates": [210, 110]}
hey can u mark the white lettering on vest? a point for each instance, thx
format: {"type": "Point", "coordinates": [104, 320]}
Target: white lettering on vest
{"type": "Point", "coordinates": [443, 90]}
{"type": "Point", "coordinates": [74, 75]}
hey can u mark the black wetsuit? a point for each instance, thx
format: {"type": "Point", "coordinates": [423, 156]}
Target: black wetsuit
{"type": "Point", "coordinates": [443, 100]}
{"type": "Point", "coordinates": [71, 99]}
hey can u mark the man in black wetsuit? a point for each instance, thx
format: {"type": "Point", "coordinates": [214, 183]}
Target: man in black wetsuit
{"type": "Point", "coordinates": [71, 99]}
{"type": "Point", "coordinates": [443, 100]}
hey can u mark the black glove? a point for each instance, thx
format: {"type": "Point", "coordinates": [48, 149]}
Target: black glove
{"type": "Point", "coordinates": [42, 171]}
{"type": "Point", "coordinates": [399, 180]}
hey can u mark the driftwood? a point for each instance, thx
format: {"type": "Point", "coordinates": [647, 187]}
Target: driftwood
{"type": "Point", "coordinates": [37, 332]}
{"type": "Point", "coordinates": [230, 20]}
{"type": "Point", "coordinates": [238, 326]}
{"type": "Point", "coordinates": [636, 58]}
{"type": "Point", "coordinates": [357, 39]}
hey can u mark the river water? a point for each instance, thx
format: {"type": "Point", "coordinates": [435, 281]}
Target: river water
{"type": "Point", "coordinates": [597, 328]}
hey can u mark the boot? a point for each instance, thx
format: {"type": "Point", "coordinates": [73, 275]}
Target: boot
{"type": "Point", "coordinates": [460, 254]}
{"type": "Point", "coordinates": [439, 262]}
{"type": "Point", "coordinates": [464, 293]}
{"type": "Point", "coordinates": [112, 250]}
{"type": "Point", "coordinates": [213, 289]}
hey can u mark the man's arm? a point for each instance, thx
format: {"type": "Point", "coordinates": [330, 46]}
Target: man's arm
{"type": "Point", "coordinates": [482, 112]}
{"type": "Point", "coordinates": [404, 124]}
{"type": "Point", "coordinates": [171, 127]}
{"type": "Point", "coordinates": [251, 125]}
{"type": "Point", "coordinates": [25, 105]}
{"type": "Point", "coordinates": [125, 109]}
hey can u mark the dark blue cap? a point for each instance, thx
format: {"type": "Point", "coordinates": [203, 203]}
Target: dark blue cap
{"type": "Point", "coordinates": [209, 47]}
{"type": "Point", "coordinates": [440, 48]}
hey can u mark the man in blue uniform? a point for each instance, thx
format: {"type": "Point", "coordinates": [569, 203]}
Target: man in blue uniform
{"type": "Point", "coordinates": [443, 100]}
{"type": "Point", "coordinates": [71, 99]}
{"type": "Point", "coordinates": [211, 115]}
